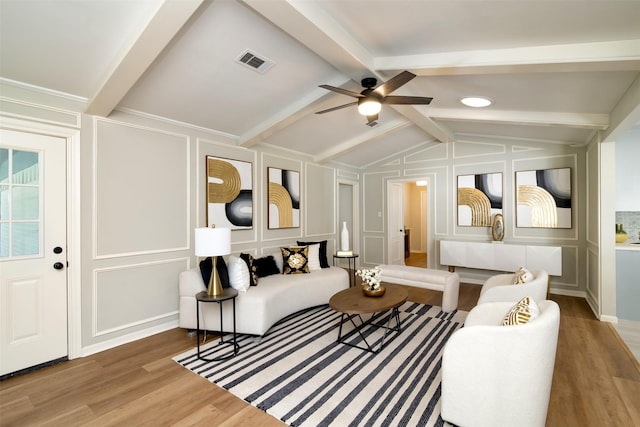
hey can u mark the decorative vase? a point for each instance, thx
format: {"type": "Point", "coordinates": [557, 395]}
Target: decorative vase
{"type": "Point", "coordinates": [344, 237]}
{"type": "Point", "coordinates": [373, 293]}
{"type": "Point", "coordinates": [621, 235]}
{"type": "Point", "coordinates": [497, 228]}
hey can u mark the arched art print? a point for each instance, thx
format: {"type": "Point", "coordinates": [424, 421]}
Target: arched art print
{"type": "Point", "coordinates": [479, 199]}
{"type": "Point", "coordinates": [229, 193]}
{"type": "Point", "coordinates": [543, 198]}
{"type": "Point", "coordinates": [283, 198]}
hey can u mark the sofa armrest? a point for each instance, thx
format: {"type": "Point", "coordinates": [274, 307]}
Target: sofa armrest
{"type": "Point", "coordinates": [191, 283]}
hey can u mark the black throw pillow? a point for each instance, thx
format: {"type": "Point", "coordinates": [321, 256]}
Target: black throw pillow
{"type": "Point", "coordinates": [206, 266]}
{"type": "Point", "coordinates": [248, 259]}
{"type": "Point", "coordinates": [324, 261]}
{"type": "Point", "coordinates": [266, 266]}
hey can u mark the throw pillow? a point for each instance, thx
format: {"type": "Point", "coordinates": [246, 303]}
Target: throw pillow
{"type": "Point", "coordinates": [295, 260]}
{"type": "Point", "coordinates": [206, 266]}
{"type": "Point", "coordinates": [266, 266]}
{"type": "Point", "coordinates": [238, 274]}
{"type": "Point", "coordinates": [522, 312]}
{"type": "Point", "coordinates": [522, 275]}
{"type": "Point", "coordinates": [314, 257]}
{"type": "Point", "coordinates": [278, 257]}
{"type": "Point", "coordinates": [253, 280]}
{"type": "Point", "coordinates": [324, 261]}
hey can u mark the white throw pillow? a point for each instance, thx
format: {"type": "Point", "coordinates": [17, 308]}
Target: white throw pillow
{"type": "Point", "coordinates": [238, 274]}
{"type": "Point", "coordinates": [522, 275]}
{"type": "Point", "coordinates": [314, 257]}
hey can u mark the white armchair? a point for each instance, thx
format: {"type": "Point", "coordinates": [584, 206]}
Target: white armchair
{"type": "Point", "coordinates": [495, 375]}
{"type": "Point", "coordinates": [501, 288]}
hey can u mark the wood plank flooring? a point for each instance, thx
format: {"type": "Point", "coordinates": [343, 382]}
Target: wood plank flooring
{"type": "Point", "coordinates": [596, 383]}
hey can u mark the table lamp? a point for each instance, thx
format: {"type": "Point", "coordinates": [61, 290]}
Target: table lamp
{"type": "Point", "coordinates": [213, 242]}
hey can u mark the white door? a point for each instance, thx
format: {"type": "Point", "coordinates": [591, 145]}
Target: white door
{"type": "Point", "coordinates": [33, 250]}
{"type": "Point", "coordinates": [395, 225]}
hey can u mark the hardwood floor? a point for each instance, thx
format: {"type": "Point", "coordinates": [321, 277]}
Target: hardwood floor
{"type": "Point", "coordinates": [596, 382]}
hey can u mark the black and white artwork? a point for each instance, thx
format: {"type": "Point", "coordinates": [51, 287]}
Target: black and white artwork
{"type": "Point", "coordinates": [543, 198]}
{"type": "Point", "coordinates": [229, 188]}
{"type": "Point", "coordinates": [479, 198]}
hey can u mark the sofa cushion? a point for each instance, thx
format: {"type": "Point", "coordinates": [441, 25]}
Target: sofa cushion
{"type": "Point", "coordinates": [314, 257]}
{"type": "Point", "coordinates": [295, 260]}
{"type": "Point", "coordinates": [522, 312]}
{"type": "Point", "coordinates": [324, 261]}
{"type": "Point", "coordinates": [253, 274]}
{"type": "Point", "coordinates": [206, 266]}
{"type": "Point", "coordinates": [239, 278]}
{"type": "Point", "coordinates": [265, 266]}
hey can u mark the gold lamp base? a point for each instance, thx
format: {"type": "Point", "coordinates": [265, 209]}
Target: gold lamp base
{"type": "Point", "coordinates": [215, 288]}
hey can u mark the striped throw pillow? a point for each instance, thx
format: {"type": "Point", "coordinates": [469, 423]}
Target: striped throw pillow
{"type": "Point", "coordinates": [523, 312]}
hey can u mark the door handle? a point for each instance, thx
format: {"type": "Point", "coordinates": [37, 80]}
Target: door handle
{"type": "Point", "coordinates": [58, 266]}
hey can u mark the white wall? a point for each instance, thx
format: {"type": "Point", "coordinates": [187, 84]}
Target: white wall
{"type": "Point", "coordinates": [628, 171]}
{"type": "Point", "coordinates": [442, 163]}
{"type": "Point", "coordinates": [141, 194]}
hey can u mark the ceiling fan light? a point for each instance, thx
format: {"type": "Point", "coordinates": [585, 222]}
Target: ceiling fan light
{"type": "Point", "coordinates": [476, 101]}
{"type": "Point", "coordinates": [369, 107]}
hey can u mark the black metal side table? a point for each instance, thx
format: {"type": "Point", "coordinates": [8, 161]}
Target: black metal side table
{"type": "Point", "coordinates": [204, 297]}
{"type": "Point", "coordinates": [352, 273]}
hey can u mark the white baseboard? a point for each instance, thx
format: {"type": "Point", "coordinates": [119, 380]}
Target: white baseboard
{"type": "Point", "coordinates": [610, 319]}
{"type": "Point", "coordinates": [569, 293]}
{"type": "Point", "coordinates": [125, 339]}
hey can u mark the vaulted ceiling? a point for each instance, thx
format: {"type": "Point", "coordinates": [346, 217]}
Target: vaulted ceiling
{"type": "Point", "coordinates": [555, 70]}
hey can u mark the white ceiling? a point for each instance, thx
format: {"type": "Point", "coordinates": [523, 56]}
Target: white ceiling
{"type": "Point", "coordinates": [555, 69]}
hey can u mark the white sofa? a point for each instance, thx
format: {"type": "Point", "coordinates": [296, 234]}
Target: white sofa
{"type": "Point", "coordinates": [261, 306]}
{"type": "Point", "coordinates": [496, 375]}
{"type": "Point", "coordinates": [501, 288]}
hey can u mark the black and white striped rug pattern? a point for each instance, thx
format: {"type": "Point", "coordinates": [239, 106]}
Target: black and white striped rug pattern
{"type": "Point", "coordinates": [299, 374]}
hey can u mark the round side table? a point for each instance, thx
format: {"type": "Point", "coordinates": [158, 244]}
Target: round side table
{"type": "Point", "coordinates": [204, 297]}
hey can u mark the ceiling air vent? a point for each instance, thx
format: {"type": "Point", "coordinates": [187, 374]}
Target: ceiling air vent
{"type": "Point", "coordinates": [254, 61]}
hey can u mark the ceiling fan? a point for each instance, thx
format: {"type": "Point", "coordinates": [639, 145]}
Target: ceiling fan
{"type": "Point", "coordinates": [370, 100]}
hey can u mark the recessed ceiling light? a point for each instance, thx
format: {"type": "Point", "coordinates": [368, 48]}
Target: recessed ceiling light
{"type": "Point", "coordinates": [476, 101]}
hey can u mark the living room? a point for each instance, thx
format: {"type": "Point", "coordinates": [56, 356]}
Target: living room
{"type": "Point", "coordinates": [135, 179]}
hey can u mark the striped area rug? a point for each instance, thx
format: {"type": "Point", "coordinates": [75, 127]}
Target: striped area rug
{"type": "Point", "coordinates": [299, 374]}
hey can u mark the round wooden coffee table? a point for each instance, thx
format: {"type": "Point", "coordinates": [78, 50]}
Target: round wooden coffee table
{"type": "Point", "coordinates": [352, 303]}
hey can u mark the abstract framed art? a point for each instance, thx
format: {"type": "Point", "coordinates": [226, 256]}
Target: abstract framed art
{"type": "Point", "coordinates": [283, 195]}
{"type": "Point", "coordinates": [543, 198]}
{"type": "Point", "coordinates": [229, 193]}
{"type": "Point", "coordinates": [479, 198]}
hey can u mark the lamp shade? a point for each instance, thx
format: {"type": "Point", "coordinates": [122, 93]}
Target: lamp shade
{"type": "Point", "coordinates": [212, 241]}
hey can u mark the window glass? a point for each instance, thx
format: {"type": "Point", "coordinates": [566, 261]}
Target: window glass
{"type": "Point", "coordinates": [4, 165]}
{"type": "Point", "coordinates": [25, 203]}
{"type": "Point", "coordinates": [25, 167]}
{"type": "Point", "coordinates": [25, 238]}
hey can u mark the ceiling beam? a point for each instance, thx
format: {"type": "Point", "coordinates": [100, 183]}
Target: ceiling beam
{"type": "Point", "coordinates": [142, 51]}
{"type": "Point", "coordinates": [379, 131]}
{"type": "Point", "coordinates": [536, 118]}
{"type": "Point", "coordinates": [283, 118]}
{"type": "Point", "coordinates": [601, 56]}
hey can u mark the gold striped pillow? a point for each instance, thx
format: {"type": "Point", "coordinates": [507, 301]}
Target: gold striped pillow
{"type": "Point", "coordinates": [523, 312]}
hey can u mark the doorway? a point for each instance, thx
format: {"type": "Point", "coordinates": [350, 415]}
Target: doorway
{"type": "Point", "coordinates": [33, 246]}
{"type": "Point", "coordinates": [407, 223]}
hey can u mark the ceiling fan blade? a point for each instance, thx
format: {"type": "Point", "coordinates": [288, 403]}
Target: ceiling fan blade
{"type": "Point", "coordinates": [422, 100]}
{"type": "Point", "coordinates": [339, 107]}
{"type": "Point", "coordinates": [342, 91]}
{"type": "Point", "coordinates": [394, 83]}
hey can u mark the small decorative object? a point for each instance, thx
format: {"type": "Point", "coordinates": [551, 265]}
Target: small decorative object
{"type": "Point", "coordinates": [344, 237]}
{"type": "Point", "coordinates": [621, 235]}
{"type": "Point", "coordinates": [371, 286]}
{"type": "Point", "coordinates": [497, 228]}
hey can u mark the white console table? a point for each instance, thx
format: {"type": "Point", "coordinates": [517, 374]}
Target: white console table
{"type": "Point", "coordinates": [501, 256]}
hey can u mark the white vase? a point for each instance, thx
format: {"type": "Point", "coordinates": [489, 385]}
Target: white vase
{"type": "Point", "coordinates": [344, 237]}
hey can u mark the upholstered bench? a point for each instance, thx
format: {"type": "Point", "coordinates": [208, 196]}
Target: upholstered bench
{"type": "Point", "coordinates": [435, 280]}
